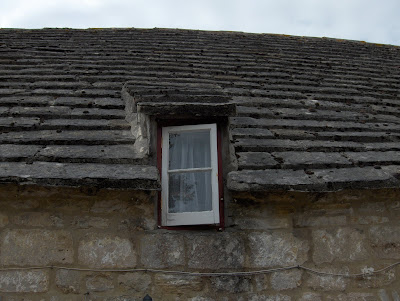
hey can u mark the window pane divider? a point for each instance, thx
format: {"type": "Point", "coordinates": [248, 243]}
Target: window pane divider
{"type": "Point", "coordinates": [190, 169]}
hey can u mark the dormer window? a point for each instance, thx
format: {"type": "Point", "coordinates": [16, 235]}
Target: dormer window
{"type": "Point", "coordinates": [189, 120]}
{"type": "Point", "coordinates": [189, 175]}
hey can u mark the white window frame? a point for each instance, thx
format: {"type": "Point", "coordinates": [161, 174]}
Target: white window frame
{"type": "Point", "coordinates": [190, 218]}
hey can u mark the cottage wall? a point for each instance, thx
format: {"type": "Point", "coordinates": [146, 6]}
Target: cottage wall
{"type": "Point", "coordinates": [342, 232]}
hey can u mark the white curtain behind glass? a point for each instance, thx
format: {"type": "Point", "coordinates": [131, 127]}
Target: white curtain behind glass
{"type": "Point", "coordinates": [190, 191]}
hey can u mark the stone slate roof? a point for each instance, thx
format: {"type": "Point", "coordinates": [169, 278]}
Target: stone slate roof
{"type": "Point", "coordinates": [311, 113]}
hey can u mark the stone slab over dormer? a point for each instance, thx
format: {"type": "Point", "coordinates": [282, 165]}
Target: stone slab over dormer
{"type": "Point", "coordinates": [177, 100]}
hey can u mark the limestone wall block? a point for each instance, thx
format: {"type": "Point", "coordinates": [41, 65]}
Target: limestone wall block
{"type": "Point", "coordinates": [138, 223]}
{"type": "Point", "coordinates": [373, 207]}
{"type": "Point", "coordinates": [37, 219]}
{"type": "Point", "coordinates": [162, 250]}
{"type": "Point", "coordinates": [99, 283]}
{"type": "Point", "coordinates": [326, 282]}
{"type": "Point", "coordinates": [87, 222]}
{"type": "Point", "coordinates": [261, 282]}
{"type": "Point", "coordinates": [285, 280]}
{"type": "Point", "coordinates": [106, 251]}
{"type": "Point", "coordinates": [269, 223]}
{"type": "Point", "coordinates": [24, 281]}
{"type": "Point", "coordinates": [68, 281]}
{"type": "Point", "coordinates": [215, 251]}
{"type": "Point", "coordinates": [310, 220]}
{"type": "Point", "coordinates": [231, 284]}
{"type": "Point", "coordinates": [310, 297]}
{"type": "Point", "coordinates": [138, 282]}
{"type": "Point", "coordinates": [385, 241]}
{"type": "Point", "coordinates": [370, 220]}
{"type": "Point", "coordinates": [276, 249]}
{"type": "Point", "coordinates": [23, 203]}
{"type": "Point", "coordinates": [342, 245]}
{"type": "Point", "coordinates": [176, 284]}
{"type": "Point", "coordinates": [113, 205]}
{"type": "Point", "coordinates": [36, 247]}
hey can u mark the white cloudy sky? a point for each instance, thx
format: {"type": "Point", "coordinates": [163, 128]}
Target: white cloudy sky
{"type": "Point", "coordinates": [375, 21]}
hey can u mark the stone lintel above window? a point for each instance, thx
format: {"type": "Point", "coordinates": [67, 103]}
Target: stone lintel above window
{"type": "Point", "coordinates": [177, 100]}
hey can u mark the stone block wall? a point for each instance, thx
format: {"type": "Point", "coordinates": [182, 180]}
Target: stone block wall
{"type": "Point", "coordinates": [95, 233]}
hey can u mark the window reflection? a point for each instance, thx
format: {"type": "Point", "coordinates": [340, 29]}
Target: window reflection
{"type": "Point", "coordinates": [190, 192]}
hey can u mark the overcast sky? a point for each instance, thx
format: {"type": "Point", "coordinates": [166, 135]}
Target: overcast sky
{"type": "Point", "coordinates": [375, 21]}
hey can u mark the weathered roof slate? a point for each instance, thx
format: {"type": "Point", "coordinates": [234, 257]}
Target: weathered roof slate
{"type": "Point", "coordinates": [311, 113]}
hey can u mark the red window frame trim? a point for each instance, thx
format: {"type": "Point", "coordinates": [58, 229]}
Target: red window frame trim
{"type": "Point", "coordinates": [160, 125]}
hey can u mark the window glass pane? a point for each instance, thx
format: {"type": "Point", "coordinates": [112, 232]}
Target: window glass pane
{"type": "Point", "coordinates": [190, 192]}
{"type": "Point", "coordinates": [189, 150]}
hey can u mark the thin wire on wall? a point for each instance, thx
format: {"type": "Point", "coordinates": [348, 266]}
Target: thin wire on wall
{"type": "Point", "coordinates": [370, 272]}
